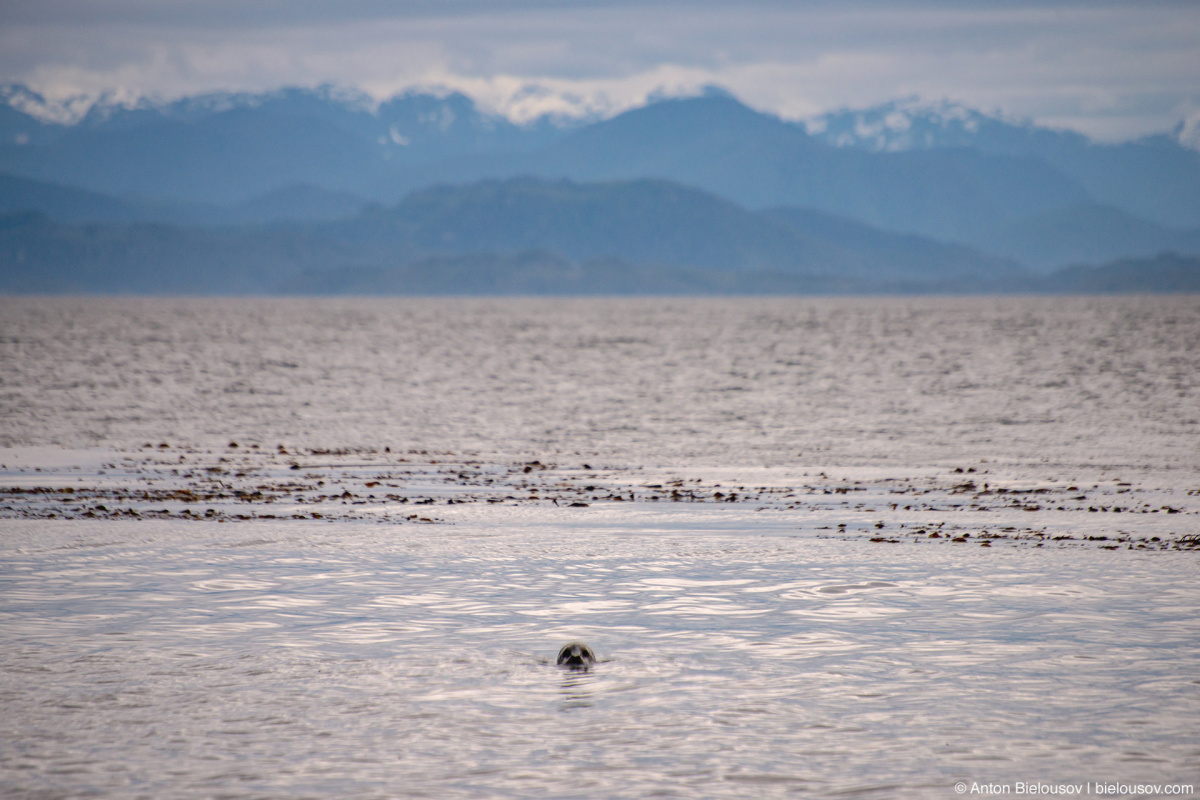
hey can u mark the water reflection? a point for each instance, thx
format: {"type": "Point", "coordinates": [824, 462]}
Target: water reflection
{"type": "Point", "coordinates": [329, 660]}
{"type": "Point", "coordinates": [577, 690]}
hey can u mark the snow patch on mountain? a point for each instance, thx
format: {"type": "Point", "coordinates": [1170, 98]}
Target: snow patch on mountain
{"type": "Point", "coordinates": [1188, 131]}
{"type": "Point", "coordinates": [907, 124]}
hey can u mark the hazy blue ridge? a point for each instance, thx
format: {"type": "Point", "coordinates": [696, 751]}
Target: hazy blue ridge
{"type": "Point", "coordinates": [650, 221]}
{"type": "Point", "coordinates": [39, 255]}
{"type": "Point", "coordinates": [69, 204]}
{"type": "Point", "coordinates": [225, 158]}
{"type": "Point", "coordinates": [66, 203]}
{"type": "Point", "coordinates": [525, 236]}
{"type": "Point", "coordinates": [977, 174]}
{"type": "Point", "coordinates": [648, 224]}
{"type": "Point", "coordinates": [907, 254]}
{"type": "Point", "coordinates": [302, 201]}
{"type": "Point", "coordinates": [655, 222]}
{"type": "Point", "coordinates": [226, 149]}
{"type": "Point", "coordinates": [1166, 273]}
{"type": "Point", "coordinates": [1155, 177]}
{"type": "Point", "coordinates": [717, 144]}
{"type": "Point", "coordinates": [325, 179]}
{"type": "Point", "coordinates": [1085, 233]}
{"type": "Point", "coordinates": [645, 221]}
{"type": "Point", "coordinates": [543, 273]}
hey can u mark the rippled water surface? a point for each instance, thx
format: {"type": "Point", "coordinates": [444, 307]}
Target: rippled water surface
{"type": "Point", "coordinates": [1107, 380]}
{"type": "Point", "coordinates": [744, 653]}
{"type": "Point", "coordinates": [310, 660]}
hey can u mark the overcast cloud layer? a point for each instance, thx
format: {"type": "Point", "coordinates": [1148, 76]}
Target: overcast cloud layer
{"type": "Point", "coordinates": [1112, 70]}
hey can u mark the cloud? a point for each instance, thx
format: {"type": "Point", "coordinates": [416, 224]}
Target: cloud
{"type": "Point", "coordinates": [1110, 69]}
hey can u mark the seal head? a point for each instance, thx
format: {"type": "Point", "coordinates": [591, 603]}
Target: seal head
{"type": "Point", "coordinates": [576, 655]}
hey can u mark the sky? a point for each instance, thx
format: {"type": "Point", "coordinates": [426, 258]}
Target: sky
{"type": "Point", "coordinates": [1111, 70]}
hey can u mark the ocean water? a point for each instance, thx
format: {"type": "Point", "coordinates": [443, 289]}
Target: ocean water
{"type": "Point", "coordinates": [812, 639]}
{"type": "Point", "coordinates": [724, 382]}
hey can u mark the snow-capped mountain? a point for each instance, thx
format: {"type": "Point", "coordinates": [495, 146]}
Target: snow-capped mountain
{"type": "Point", "coordinates": [1154, 177]}
{"type": "Point", "coordinates": [226, 148]}
{"type": "Point", "coordinates": [935, 170]}
{"type": "Point", "coordinates": [912, 124]}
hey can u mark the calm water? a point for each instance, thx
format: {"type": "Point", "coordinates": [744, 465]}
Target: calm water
{"type": "Point", "coordinates": [745, 655]}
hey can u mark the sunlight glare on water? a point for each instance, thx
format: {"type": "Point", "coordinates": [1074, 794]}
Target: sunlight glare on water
{"type": "Point", "coordinates": [305, 659]}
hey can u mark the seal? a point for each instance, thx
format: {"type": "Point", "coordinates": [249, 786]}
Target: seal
{"type": "Point", "coordinates": [576, 655]}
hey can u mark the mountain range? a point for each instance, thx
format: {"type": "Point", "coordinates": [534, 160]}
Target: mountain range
{"type": "Point", "coordinates": [522, 235]}
{"type": "Point", "coordinates": [274, 187]}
